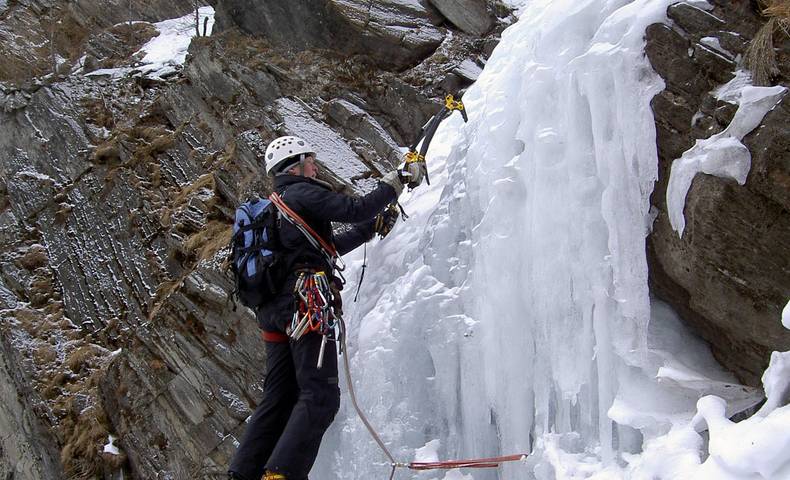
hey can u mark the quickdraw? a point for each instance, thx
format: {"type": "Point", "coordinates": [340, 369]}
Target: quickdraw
{"type": "Point", "coordinates": [314, 310]}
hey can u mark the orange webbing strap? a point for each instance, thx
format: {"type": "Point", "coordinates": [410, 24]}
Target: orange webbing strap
{"type": "Point", "coordinates": [296, 219]}
{"type": "Point", "coordinates": [274, 337]}
{"type": "Point", "coordinates": [490, 462]}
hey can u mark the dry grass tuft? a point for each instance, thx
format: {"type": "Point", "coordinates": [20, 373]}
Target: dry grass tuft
{"type": "Point", "coordinates": [204, 244]}
{"type": "Point", "coordinates": [81, 453]}
{"type": "Point", "coordinates": [35, 257]}
{"type": "Point", "coordinates": [107, 153]}
{"type": "Point", "coordinates": [761, 56]}
{"type": "Point", "coordinates": [779, 9]}
{"type": "Point", "coordinates": [204, 181]}
{"type": "Point", "coordinates": [83, 357]}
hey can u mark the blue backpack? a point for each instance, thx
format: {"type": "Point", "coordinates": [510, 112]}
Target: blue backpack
{"type": "Point", "coordinates": [255, 246]}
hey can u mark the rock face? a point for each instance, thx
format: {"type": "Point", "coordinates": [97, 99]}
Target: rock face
{"type": "Point", "coordinates": [38, 37]}
{"type": "Point", "coordinates": [31, 453]}
{"type": "Point", "coordinates": [396, 34]}
{"type": "Point", "coordinates": [116, 198]}
{"type": "Point", "coordinates": [728, 275]}
{"type": "Point", "coordinates": [471, 16]}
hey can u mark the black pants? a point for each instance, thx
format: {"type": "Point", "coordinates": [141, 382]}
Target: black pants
{"type": "Point", "coordinates": [299, 403]}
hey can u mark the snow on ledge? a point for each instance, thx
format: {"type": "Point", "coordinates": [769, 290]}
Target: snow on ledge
{"type": "Point", "coordinates": [170, 46]}
{"type": "Point", "coordinates": [165, 53]}
{"type": "Point", "coordinates": [722, 154]}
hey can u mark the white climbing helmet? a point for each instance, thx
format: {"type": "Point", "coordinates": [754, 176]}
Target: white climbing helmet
{"type": "Point", "coordinates": [282, 149]}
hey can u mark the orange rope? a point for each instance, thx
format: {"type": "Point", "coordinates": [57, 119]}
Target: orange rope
{"type": "Point", "coordinates": [279, 203]}
{"type": "Point", "coordinates": [491, 462]}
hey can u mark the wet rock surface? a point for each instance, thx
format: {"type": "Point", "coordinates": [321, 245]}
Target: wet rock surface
{"type": "Point", "coordinates": [728, 274]}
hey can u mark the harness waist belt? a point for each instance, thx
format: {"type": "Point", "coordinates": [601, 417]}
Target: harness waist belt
{"type": "Point", "coordinates": [274, 337]}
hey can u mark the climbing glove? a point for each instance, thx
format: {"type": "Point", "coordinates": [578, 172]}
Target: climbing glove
{"type": "Point", "coordinates": [413, 173]}
{"type": "Point", "coordinates": [393, 179]}
{"type": "Point", "coordinates": [385, 221]}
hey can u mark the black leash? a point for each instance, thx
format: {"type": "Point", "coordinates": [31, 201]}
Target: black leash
{"type": "Point", "coordinates": [362, 275]}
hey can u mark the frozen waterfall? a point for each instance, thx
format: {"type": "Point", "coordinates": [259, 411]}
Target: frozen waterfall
{"type": "Point", "coordinates": [510, 312]}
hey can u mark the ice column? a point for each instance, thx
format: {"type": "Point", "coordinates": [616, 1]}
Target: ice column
{"type": "Point", "coordinates": [503, 313]}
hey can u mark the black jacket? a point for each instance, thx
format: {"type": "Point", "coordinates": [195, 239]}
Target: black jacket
{"type": "Point", "coordinates": [319, 206]}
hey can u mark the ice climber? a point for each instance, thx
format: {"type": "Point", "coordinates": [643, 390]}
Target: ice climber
{"type": "Point", "coordinates": [300, 400]}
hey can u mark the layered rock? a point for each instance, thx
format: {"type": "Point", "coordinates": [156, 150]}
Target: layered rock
{"type": "Point", "coordinates": [116, 197]}
{"type": "Point", "coordinates": [727, 275]}
{"type": "Point", "coordinates": [28, 450]}
{"type": "Point", "coordinates": [394, 33]}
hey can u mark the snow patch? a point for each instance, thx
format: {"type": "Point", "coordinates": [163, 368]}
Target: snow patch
{"type": "Point", "coordinates": [776, 383]}
{"type": "Point", "coordinates": [786, 316]}
{"type": "Point", "coordinates": [732, 90]}
{"type": "Point", "coordinates": [714, 43]}
{"type": "Point", "coordinates": [429, 452]}
{"type": "Point", "coordinates": [701, 4]}
{"type": "Point", "coordinates": [169, 49]}
{"type": "Point", "coordinates": [110, 447]}
{"type": "Point", "coordinates": [758, 445]}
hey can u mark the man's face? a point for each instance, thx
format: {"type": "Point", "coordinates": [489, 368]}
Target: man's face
{"type": "Point", "coordinates": [310, 167]}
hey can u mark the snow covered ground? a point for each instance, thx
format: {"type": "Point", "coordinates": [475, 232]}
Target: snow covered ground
{"type": "Point", "coordinates": [511, 312]}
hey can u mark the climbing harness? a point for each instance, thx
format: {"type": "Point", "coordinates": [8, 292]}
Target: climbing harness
{"type": "Point", "coordinates": [490, 462]}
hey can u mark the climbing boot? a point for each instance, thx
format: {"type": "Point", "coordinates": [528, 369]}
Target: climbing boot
{"type": "Point", "coordinates": [273, 476]}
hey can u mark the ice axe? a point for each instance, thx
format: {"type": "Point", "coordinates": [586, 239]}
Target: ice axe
{"type": "Point", "coordinates": [390, 214]}
{"type": "Point", "coordinates": [426, 135]}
